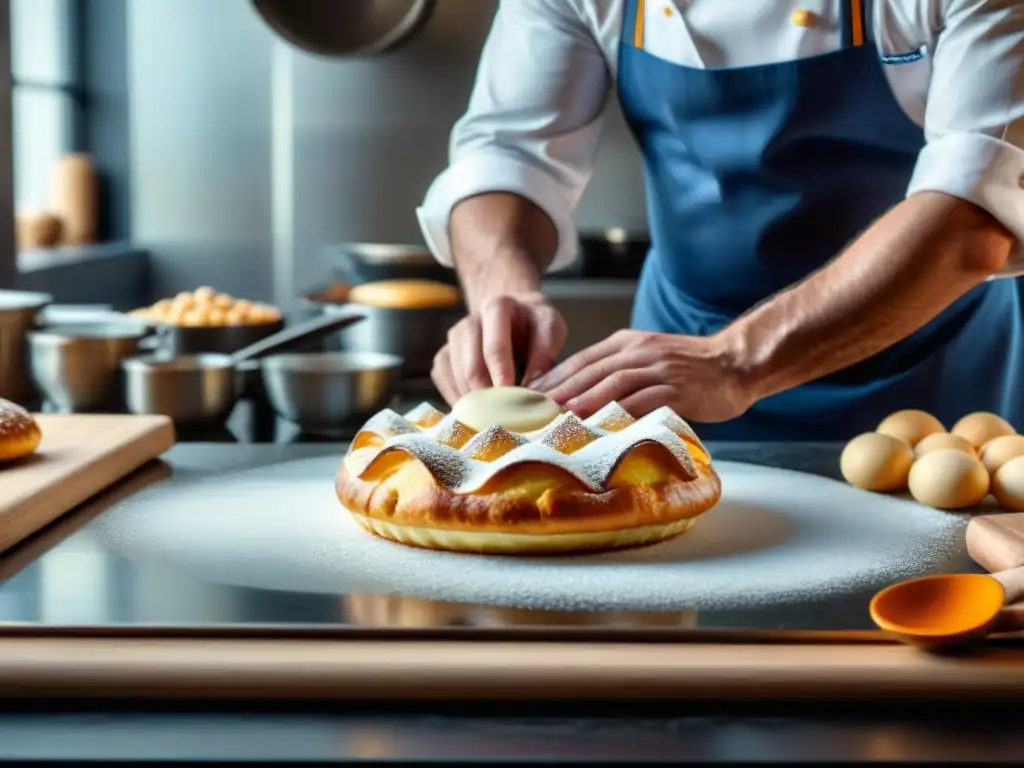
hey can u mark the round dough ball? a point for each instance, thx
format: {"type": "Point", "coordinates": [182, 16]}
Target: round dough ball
{"type": "Point", "coordinates": [944, 441]}
{"type": "Point", "coordinates": [980, 427]}
{"type": "Point", "coordinates": [1000, 450]}
{"type": "Point", "coordinates": [910, 426]}
{"type": "Point", "coordinates": [175, 315]}
{"type": "Point", "coordinates": [1008, 484]}
{"type": "Point", "coordinates": [948, 479]}
{"type": "Point", "coordinates": [516, 409]}
{"type": "Point", "coordinates": [222, 301]}
{"type": "Point", "coordinates": [194, 318]}
{"type": "Point", "coordinates": [876, 462]}
{"type": "Point", "coordinates": [184, 299]}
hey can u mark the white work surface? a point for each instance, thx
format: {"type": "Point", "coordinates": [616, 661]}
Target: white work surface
{"type": "Point", "coordinates": [777, 536]}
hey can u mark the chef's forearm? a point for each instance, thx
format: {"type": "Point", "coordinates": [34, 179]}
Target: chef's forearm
{"type": "Point", "coordinates": [900, 274]}
{"type": "Point", "coordinates": [501, 243]}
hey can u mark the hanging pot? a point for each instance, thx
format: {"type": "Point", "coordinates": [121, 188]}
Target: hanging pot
{"type": "Point", "coordinates": [345, 27]}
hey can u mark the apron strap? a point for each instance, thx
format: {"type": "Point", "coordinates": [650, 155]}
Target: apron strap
{"type": "Point", "coordinates": [856, 23]}
{"type": "Point", "coordinates": [633, 23]}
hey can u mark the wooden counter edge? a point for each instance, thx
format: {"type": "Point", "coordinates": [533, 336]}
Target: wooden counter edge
{"type": "Point", "coordinates": [220, 669]}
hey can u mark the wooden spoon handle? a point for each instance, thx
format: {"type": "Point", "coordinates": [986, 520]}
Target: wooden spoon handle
{"type": "Point", "coordinates": [1011, 619]}
{"type": "Point", "coordinates": [1013, 582]}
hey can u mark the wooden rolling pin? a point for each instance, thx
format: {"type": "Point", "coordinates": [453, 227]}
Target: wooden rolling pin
{"type": "Point", "coordinates": [996, 542]}
{"type": "Point", "coordinates": [74, 199]}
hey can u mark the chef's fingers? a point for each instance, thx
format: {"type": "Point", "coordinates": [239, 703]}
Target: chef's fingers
{"type": "Point", "coordinates": [464, 354]}
{"type": "Point", "coordinates": [599, 370]}
{"type": "Point", "coordinates": [441, 375]}
{"type": "Point", "coordinates": [547, 336]}
{"type": "Point", "coordinates": [496, 319]}
{"type": "Point", "coordinates": [455, 365]}
{"type": "Point", "coordinates": [618, 387]}
{"type": "Point", "coordinates": [639, 404]}
{"type": "Point", "coordinates": [583, 359]}
{"type": "Point", "coordinates": [474, 366]}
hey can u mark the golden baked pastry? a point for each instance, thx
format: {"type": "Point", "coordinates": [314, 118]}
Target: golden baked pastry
{"type": "Point", "coordinates": [612, 481]}
{"type": "Point", "coordinates": [405, 294]}
{"type": "Point", "coordinates": [19, 432]}
{"type": "Point", "coordinates": [205, 307]}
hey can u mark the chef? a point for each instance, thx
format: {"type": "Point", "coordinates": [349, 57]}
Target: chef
{"type": "Point", "coordinates": [832, 187]}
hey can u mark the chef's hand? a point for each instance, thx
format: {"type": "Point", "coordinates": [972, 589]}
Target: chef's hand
{"type": "Point", "coordinates": [643, 371]}
{"type": "Point", "coordinates": [482, 348]}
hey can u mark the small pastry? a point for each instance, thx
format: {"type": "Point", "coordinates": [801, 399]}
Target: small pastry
{"type": "Point", "coordinates": [19, 432]}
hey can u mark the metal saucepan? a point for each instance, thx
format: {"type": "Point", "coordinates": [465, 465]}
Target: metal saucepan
{"type": "Point", "coordinates": [187, 340]}
{"type": "Point", "coordinates": [345, 27]}
{"type": "Point", "coordinates": [219, 339]}
{"type": "Point", "coordinates": [78, 367]}
{"type": "Point", "coordinates": [415, 335]}
{"type": "Point", "coordinates": [18, 311]}
{"type": "Point", "coordinates": [202, 389]}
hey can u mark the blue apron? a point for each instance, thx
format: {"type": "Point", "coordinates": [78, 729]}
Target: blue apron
{"type": "Point", "coordinates": [758, 176]}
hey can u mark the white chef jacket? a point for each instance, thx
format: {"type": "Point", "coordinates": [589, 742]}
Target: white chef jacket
{"type": "Point", "coordinates": [548, 68]}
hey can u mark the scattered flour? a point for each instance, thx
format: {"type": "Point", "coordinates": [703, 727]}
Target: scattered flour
{"type": "Point", "coordinates": [776, 537]}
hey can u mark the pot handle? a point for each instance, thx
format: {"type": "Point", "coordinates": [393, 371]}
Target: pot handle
{"type": "Point", "coordinates": [291, 336]}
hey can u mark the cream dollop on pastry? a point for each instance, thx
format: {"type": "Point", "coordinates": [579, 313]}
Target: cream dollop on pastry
{"type": "Point", "coordinates": [515, 409]}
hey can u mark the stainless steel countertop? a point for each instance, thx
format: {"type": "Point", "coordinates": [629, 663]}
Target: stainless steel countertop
{"type": "Point", "coordinates": [153, 590]}
{"type": "Point", "coordinates": [64, 583]}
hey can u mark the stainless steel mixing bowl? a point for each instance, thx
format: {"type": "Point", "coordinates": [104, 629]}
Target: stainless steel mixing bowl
{"type": "Point", "coordinates": [195, 389]}
{"type": "Point", "coordinates": [18, 310]}
{"type": "Point", "coordinates": [78, 367]}
{"type": "Point", "coordinates": [330, 392]}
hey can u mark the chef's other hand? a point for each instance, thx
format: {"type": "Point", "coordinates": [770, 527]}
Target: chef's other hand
{"type": "Point", "coordinates": [483, 347]}
{"type": "Point", "coordinates": [643, 371]}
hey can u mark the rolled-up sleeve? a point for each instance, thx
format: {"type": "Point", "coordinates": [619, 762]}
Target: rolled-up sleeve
{"type": "Point", "coordinates": [974, 121]}
{"type": "Point", "coordinates": [533, 122]}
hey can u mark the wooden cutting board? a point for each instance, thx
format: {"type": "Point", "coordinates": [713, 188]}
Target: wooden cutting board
{"type": "Point", "coordinates": [996, 542]}
{"type": "Point", "coordinates": [80, 455]}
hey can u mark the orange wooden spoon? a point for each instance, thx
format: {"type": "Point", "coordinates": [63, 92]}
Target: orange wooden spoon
{"type": "Point", "coordinates": [951, 609]}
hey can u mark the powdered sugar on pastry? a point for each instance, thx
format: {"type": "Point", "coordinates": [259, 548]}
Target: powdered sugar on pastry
{"type": "Point", "coordinates": [592, 463]}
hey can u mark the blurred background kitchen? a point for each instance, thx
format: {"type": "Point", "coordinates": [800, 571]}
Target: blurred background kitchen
{"type": "Point", "coordinates": [275, 150]}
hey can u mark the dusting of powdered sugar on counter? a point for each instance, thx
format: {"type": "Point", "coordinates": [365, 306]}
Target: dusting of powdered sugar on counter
{"type": "Point", "coordinates": [777, 537]}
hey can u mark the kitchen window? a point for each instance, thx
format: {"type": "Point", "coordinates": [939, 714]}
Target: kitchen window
{"type": "Point", "coordinates": [65, 67]}
{"type": "Point", "coordinates": [47, 100]}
